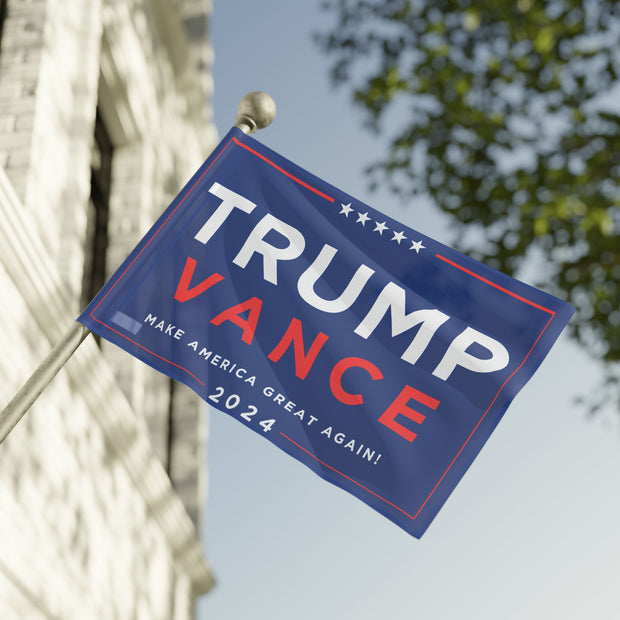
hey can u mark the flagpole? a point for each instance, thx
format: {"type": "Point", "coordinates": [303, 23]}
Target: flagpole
{"type": "Point", "coordinates": [256, 110]}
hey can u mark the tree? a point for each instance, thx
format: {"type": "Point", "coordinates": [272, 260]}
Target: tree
{"type": "Point", "coordinates": [512, 119]}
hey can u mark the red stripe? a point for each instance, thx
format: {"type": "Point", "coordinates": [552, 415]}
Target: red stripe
{"type": "Point", "coordinates": [288, 174]}
{"type": "Point", "coordinates": [497, 286]}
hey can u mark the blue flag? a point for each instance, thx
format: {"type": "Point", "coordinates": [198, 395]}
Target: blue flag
{"type": "Point", "coordinates": [376, 356]}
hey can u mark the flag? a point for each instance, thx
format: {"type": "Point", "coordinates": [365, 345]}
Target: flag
{"type": "Point", "coordinates": [376, 356]}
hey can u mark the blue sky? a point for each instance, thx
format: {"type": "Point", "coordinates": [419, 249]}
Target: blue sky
{"type": "Point", "coordinates": [530, 532]}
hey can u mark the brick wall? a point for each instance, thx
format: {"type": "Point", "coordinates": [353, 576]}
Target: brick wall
{"type": "Point", "coordinates": [93, 526]}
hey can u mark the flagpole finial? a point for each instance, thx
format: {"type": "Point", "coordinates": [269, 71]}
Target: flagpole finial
{"type": "Point", "coordinates": [256, 110]}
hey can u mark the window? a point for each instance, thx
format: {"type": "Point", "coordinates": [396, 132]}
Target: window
{"type": "Point", "coordinates": [98, 212]}
{"type": "Point", "coordinates": [3, 12]}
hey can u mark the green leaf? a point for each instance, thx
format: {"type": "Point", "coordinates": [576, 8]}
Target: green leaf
{"type": "Point", "coordinates": [499, 131]}
{"type": "Point", "coordinates": [545, 40]}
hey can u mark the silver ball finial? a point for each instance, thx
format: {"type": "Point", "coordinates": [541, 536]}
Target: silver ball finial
{"type": "Point", "coordinates": [256, 110]}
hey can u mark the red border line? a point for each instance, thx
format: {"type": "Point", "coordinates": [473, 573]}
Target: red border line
{"type": "Point", "coordinates": [348, 478]}
{"type": "Point", "coordinates": [514, 372]}
{"type": "Point", "coordinates": [319, 193]}
{"type": "Point", "coordinates": [284, 172]}
{"type": "Point", "coordinates": [497, 286]}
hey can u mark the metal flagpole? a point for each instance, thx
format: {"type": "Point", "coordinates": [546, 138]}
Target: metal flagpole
{"type": "Point", "coordinates": [256, 110]}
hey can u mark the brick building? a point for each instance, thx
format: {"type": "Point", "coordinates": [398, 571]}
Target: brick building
{"type": "Point", "coordinates": [104, 114]}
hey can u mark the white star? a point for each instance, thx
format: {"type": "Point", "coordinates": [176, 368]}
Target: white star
{"type": "Point", "coordinates": [380, 227]}
{"type": "Point", "coordinates": [398, 236]}
{"type": "Point", "coordinates": [346, 209]}
{"type": "Point", "coordinates": [417, 246]}
{"type": "Point", "coordinates": [362, 218]}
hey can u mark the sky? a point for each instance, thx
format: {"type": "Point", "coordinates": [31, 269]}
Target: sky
{"type": "Point", "coordinates": [530, 531]}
